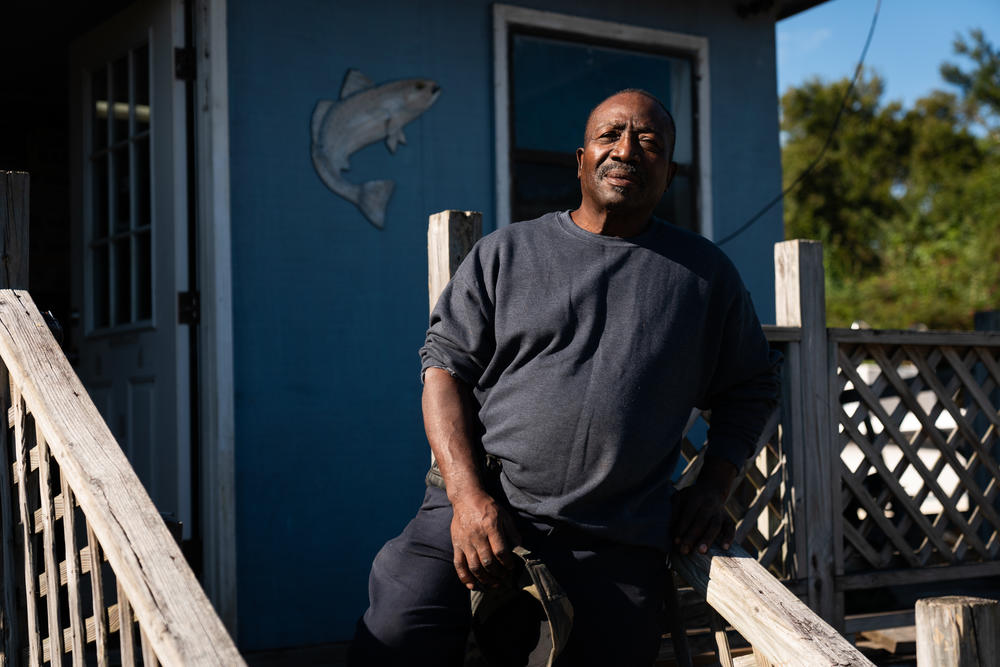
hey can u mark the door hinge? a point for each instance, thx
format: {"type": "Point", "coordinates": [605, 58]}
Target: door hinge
{"type": "Point", "coordinates": [188, 308]}
{"type": "Point", "coordinates": [184, 63]}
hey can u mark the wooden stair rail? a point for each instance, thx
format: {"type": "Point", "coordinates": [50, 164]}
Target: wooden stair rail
{"type": "Point", "coordinates": [780, 628]}
{"type": "Point", "coordinates": [60, 433]}
{"type": "Point", "coordinates": [776, 623]}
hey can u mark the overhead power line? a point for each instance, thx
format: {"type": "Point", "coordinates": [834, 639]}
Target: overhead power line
{"type": "Point", "coordinates": [829, 138]}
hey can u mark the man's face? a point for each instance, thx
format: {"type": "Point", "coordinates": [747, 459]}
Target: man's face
{"type": "Point", "coordinates": [625, 161]}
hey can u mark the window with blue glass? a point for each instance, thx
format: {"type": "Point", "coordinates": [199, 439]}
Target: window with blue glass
{"type": "Point", "coordinates": [555, 82]}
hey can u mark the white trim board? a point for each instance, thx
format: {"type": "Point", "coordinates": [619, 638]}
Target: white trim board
{"type": "Point", "coordinates": [507, 17]}
{"type": "Point", "coordinates": [218, 478]}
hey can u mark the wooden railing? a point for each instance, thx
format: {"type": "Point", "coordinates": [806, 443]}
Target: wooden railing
{"type": "Point", "coordinates": [86, 555]}
{"type": "Point", "coordinates": [743, 590]}
{"type": "Point", "coordinates": [781, 629]}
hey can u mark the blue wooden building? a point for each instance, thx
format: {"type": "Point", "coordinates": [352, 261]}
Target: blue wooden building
{"type": "Point", "coordinates": [246, 309]}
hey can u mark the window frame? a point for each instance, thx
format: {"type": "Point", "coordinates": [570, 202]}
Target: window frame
{"type": "Point", "coordinates": [508, 19]}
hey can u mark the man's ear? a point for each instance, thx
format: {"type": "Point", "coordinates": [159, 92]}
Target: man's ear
{"type": "Point", "coordinates": [671, 171]}
{"type": "Point", "coordinates": [579, 163]}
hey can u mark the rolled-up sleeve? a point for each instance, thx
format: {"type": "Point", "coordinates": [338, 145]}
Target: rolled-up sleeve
{"type": "Point", "coordinates": [460, 338]}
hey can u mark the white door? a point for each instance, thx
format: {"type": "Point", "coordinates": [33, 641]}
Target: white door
{"type": "Point", "coordinates": [130, 241]}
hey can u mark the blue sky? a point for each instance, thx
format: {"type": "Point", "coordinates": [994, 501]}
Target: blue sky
{"type": "Point", "coordinates": [911, 40]}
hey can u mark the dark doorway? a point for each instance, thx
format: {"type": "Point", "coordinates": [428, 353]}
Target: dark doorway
{"type": "Point", "coordinates": [34, 133]}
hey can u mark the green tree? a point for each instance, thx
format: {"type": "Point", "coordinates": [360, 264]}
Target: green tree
{"type": "Point", "coordinates": [980, 86]}
{"type": "Point", "coordinates": [846, 197]}
{"type": "Point", "coordinates": [906, 201]}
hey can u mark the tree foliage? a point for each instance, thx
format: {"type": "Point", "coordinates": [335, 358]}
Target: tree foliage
{"type": "Point", "coordinates": [906, 201]}
{"type": "Point", "coordinates": [980, 86]}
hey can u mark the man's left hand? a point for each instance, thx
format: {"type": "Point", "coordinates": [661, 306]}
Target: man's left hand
{"type": "Point", "coordinates": [699, 514]}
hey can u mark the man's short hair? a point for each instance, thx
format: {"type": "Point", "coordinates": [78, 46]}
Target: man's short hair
{"type": "Point", "coordinates": [671, 125]}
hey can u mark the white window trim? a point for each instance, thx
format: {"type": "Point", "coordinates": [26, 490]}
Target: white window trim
{"type": "Point", "coordinates": [216, 389]}
{"type": "Point", "coordinates": [508, 17]}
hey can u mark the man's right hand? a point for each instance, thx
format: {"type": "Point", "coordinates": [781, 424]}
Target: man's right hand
{"type": "Point", "coordinates": [482, 531]}
{"type": "Point", "coordinates": [484, 538]}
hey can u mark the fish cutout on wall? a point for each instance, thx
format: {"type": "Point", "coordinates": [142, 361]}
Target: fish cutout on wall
{"type": "Point", "coordinates": [364, 114]}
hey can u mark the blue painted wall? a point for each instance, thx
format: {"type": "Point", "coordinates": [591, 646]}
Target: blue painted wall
{"type": "Point", "coordinates": [329, 312]}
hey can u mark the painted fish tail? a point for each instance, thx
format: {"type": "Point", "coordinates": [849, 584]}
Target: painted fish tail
{"type": "Point", "coordinates": [374, 200]}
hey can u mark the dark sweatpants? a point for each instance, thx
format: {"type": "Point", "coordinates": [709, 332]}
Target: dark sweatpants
{"type": "Point", "coordinates": [419, 610]}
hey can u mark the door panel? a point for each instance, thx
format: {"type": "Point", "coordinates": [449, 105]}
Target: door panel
{"type": "Point", "coordinates": [130, 241]}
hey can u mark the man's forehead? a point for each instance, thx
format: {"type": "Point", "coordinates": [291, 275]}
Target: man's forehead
{"type": "Point", "coordinates": [625, 108]}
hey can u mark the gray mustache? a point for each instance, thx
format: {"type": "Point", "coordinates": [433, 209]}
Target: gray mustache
{"type": "Point", "coordinates": [622, 167]}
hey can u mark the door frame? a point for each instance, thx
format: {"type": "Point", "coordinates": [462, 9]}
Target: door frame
{"type": "Point", "coordinates": [217, 511]}
{"type": "Point", "coordinates": [217, 428]}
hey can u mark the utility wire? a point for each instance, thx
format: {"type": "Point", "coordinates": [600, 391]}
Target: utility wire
{"type": "Point", "coordinates": [829, 138]}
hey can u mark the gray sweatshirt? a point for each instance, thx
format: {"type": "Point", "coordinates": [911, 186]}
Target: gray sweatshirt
{"type": "Point", "coordinates": [586, 354]}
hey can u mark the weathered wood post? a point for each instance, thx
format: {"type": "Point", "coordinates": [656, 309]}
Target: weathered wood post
{"type": "Point", "coordinates": [957, 631]}
{"type": "Point", "coordinates": [13, 275]}
{"type": "Point", "coordinates": [13, 230]}
{"type": "Point", "coordinates": [450, 237]}
{"type": "Point", "coordinates": [800, 301]}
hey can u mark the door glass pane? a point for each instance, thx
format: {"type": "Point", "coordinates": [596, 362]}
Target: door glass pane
{"type": "Point", "coordinates": [143, 209]}
{"type": "Point", "coordinates": [555, 84]}
{"type": "Point", "coordinates": [142, 167]}
{"type": "Point", "coordinates": [143, 279]}
{"type": "Point", "coordinates": [101, 285]}
{"type": "Point", "coordinates": [119, 92]}
{"type": "Point", "coordinates": [123, 280]}
{"type": "Point", "coordinates": [100, 214]}
{"type": "Point", "coordinates": [120, 171]}
{"type": "Point", "coordinates": [99, 96]}
{"type": "Point", "coordinates": [140, 85]}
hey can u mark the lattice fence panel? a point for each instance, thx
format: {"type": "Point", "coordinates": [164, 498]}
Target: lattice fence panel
{"type": "Point", "coordinates": [761, 500]}
{"type": "Point", "coordinates": [917, 433]}
{"type": "Point", "coordinates": [54, 569]}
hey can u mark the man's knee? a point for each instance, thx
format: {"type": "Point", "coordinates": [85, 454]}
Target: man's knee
{"type": "Point", "coordinates": [408, 625]}
{"type": "Point", "coordinates": [419, 611]}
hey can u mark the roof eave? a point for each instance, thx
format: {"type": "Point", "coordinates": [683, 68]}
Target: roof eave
{"type": "Point", "coordinates": [791, 7]}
